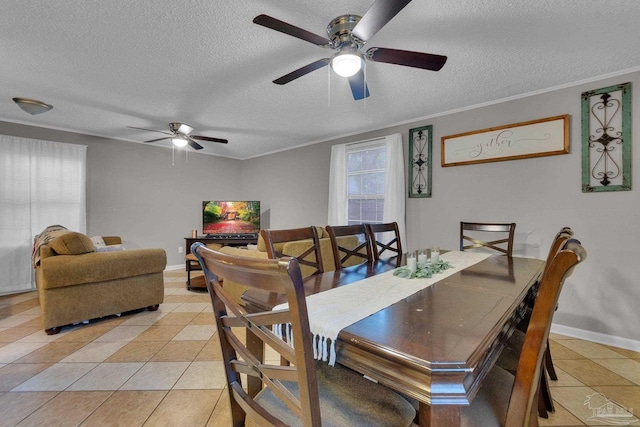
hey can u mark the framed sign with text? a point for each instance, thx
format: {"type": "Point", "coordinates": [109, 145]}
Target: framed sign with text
{"type": "Point", "coordinates": [420, 161]}
{"type": "Point", "coordinates": [536, 138]}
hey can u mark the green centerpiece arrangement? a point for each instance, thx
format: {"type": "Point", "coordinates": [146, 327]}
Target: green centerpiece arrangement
{"type": "Point", "coordinates": [422, 271]}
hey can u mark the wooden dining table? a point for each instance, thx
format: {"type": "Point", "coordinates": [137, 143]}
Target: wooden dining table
{"type": "Point", "coordinates": [437, 345]}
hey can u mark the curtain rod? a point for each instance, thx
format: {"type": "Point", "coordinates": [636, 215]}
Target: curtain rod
{"type": "Point", "coordinates": [364, 141]}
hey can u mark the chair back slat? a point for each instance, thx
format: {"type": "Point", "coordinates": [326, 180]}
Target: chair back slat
{"type": "Point", "coordinates": [500, 243]}
{"type": "Point", "coordinates": [393, 245]}
{"type": "Point", "coordinates": [348, 252]}
{"type": "Point", "coordinates": [529, 369]}
{"type": "Point", "coordinates": [274, 275]}
{"type": "Point", "coordinates": [310, 257]}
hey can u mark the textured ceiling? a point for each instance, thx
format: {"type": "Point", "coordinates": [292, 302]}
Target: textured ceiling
{"type": "Point", "coordinates": [106, 65]}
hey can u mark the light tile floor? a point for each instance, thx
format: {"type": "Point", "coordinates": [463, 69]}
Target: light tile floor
{"type": "Point", "coordinates": [163, 368]}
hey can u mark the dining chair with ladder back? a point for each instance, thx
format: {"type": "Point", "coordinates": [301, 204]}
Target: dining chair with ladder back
{"type": "Point", "coordinates": [510, 355]}
{"type": "Point", "coordinates": [500, 233]}
{"type": "Point", "coordinates": [310, 257]}
{"type": "Point", "coordinates": [347, 252]}
{"type": "Point", "coordinates": [507, 400]}
{"type": "Point", "coordinates": [377, 234]}
{"type": "Point", "coordinates": [304, 391]}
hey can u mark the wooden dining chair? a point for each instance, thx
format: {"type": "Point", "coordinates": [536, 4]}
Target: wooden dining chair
{"type": "Point", "coordinates": [511, 354]}
{"type": "Point", "coordinates": [563, 235]}
{"type": "Point", "coordinates": [500, 233]}
{"type": "Point", "coordinates": [347, 252]}
{"type": "Point", "coordinates": [311, 257]}
{"type": "Point", "coordinates": [377, 234]}
{"type": "Point", "coordinates": [303, 392]}
{"type": "Point", "coordinates": [507, 400]}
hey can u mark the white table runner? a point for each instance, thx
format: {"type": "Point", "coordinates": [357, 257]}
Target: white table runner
{"type": "Point", "coordinates": [335, 309]}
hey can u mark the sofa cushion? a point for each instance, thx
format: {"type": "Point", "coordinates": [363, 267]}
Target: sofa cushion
{"type": "Point", "coordinates": [73, 243]}
{"type": "Point", "coordinates": [68, 270]}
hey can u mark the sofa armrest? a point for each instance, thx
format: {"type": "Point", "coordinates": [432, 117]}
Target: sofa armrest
{"type": "Point", "coordinates": [112, 240]}
{"type": "Point", "coordinates": [46, 252]}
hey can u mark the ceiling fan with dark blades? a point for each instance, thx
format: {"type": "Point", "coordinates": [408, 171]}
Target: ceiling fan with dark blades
{"type": "Point", "coordinates": [347, 35]}
{"type": "Point", "coordinates": [180, 135]}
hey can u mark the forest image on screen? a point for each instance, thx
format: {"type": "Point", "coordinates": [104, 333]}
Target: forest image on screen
{"type": "Point", "coordinates": [231, 217]}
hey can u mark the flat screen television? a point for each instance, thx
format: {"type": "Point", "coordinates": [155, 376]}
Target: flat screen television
{"type": "Point", "coordinates": [223, 218]}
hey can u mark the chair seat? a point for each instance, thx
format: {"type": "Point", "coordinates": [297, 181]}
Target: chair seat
{"type": "Point", "coordinates": [489, 407]}
{"type": "Point", "coordinates": [347, 399]}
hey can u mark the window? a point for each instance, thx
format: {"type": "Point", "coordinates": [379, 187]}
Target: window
{"type": "Point", "coordinates": [42, 183]}
{"type": "Point", "coordinates": [365, 182]}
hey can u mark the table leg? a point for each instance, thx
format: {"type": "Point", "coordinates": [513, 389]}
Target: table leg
{"type": "Point", "coordinates": [438, 415]}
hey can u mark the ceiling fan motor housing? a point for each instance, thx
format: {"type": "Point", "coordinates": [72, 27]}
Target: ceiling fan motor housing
{"type": "Point", "coordinates": [339, 31]}
{"type": "Point", "coordinates": [180, 128]}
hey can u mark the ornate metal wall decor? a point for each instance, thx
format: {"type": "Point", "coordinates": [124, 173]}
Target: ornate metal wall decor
{"type": "Point", "coordinates": [606, 139]}
{"type": "Point", "coordinates": [420, 161]}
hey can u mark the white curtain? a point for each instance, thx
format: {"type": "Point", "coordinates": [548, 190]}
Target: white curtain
{"type": "Point", "coordinates": [394, 189]}
{"type": "Point", "coordinates": [42, 183]}
{"type": "Point", "coordinates": [338, 186]}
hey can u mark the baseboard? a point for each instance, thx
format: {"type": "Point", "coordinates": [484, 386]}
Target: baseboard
{"type": "Point", "coordinates": [174, 267]}
{"type": "Point", "coordinates": [612, 340]}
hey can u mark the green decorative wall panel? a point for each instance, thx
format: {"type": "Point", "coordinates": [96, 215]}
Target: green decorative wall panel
{"type": "Point", "coordinates": [606, 139]}
{"type": "Point", "coordinates": [420, 161]}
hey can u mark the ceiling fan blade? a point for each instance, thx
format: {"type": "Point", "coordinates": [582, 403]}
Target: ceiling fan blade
{"type": "Point", "coordinates": [150, 130]}
{"type": "Point", "coordinates": [283, 27]}
{"type": "Point", "coordinates": [302, 71]}
{"type": "Point", "coordinates": [381, 12]}
{"type": "Point", "coordinates": [158, 139]}
{"type": "Point", "coordinates": [193, 144]}
{"type": "Point", "coordinates": [427, 61]}
{"type": "Point", "coordinates": [358, 85]}
{"type": "Point", "coordinates": [208, 138]}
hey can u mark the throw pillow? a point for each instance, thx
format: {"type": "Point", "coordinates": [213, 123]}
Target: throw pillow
{"type": "Point", "coordinates": [98, 241]}
{"type": "Point", "coordinates": [73, 243]}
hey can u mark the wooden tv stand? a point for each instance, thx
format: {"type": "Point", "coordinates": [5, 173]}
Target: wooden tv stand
{"type": "Point", "coordinates": [192, 264]}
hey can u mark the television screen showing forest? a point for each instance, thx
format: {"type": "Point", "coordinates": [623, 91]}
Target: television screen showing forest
{"type": "Point", "coordinates": [225, 217]}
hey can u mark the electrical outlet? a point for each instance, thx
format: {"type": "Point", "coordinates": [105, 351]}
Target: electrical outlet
{"type": "Point", "coordinates": [180, 249]}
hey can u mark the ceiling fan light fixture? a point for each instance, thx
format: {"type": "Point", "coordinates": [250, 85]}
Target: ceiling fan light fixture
{"type": "Point", "coordinates": [347, 62]}
{"type": "Point", "coordinates": [32, 106]}
{"type": "Point", "coordinates": [179, 141]}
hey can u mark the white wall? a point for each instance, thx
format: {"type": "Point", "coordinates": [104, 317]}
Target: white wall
{"type": "Point", "coordinates": [541, 195]}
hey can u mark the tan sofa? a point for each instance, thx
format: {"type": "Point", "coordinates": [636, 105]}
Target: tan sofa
{"type": "Point", "coordinates": [292, 249]}
{"type": "Point", "coordinates": [74, 287]}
